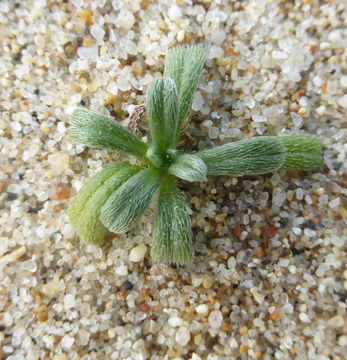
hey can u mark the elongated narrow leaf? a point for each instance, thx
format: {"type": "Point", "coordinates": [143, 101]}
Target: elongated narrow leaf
{"type": "Point", "coordinates": [184, 66]}
{"type": "Point", "coordinates": [125, 206]}
{"type": "Point", "coordinates": [172, 242]}
{"type": "Point", "coordinates": [85, 208]}
{"type": "Point", "coordinates": [253, 156]}
{"type": "Point", "coordinates": [95, 130]}
{"type": "Point", "coordinates": [162, 112]}
{"type": "Point", "coordinates": [189, 167]}
{"type": "Point", "coordinates": [303, 152]}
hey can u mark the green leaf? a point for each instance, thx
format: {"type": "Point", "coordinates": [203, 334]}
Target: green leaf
{"type": "Point", "coordinates": [95, 130]}
{"type": "Point", "coordinates": [184, 66]}
{"type": "Point", "coordinates": [125, 206]}
{"type": "Point", "coordinates": [303, 152]}
{"type": "Point", "coordinates": [162, 112]}
{"type": "Point", "coordinates": [85, 208]}
{"type": "Point", "coordinates": [253, 156]}
{"type": "Point", "coordinates": [172, 241]}
{"type": "Point", "coordinates": [188, 167]}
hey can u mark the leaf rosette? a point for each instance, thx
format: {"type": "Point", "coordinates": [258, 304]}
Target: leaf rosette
{"type": "Point", "coordinates": [116, 197]}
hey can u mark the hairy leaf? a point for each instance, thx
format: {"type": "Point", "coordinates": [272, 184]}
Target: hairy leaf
{"type": "Point", "coordinates": [162, 112]}
{"type": "Point", "coordinates": [184, 66]}
{"type": "Point", "coordinates": [303, 152]}
{"type": "Point", "coordinates": [172, 242]}
{"type": "Point", "coordinates": [253, 156]}
{"type": "Point", "coordinates": [85, 208]}
{"type": "Point", "coordinates": [188, 167]}
{"type": "Point", "coordinates": [125, 206]}
{"type": "Point", "coordinates": [95, 130]}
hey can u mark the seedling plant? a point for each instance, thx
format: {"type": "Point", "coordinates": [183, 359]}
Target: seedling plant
{"type": "Point", "coordinates": [116, 197]}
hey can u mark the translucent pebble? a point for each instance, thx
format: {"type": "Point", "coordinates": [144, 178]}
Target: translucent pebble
{"type": "Point", "coordinates": [198, 101]}
{"type": "Point", "coordinates": [138, 253]}
{"type": "Point", "coordinates": [297, 119]}
{"type": "Point", "coordinates": [123, 84]}
{"type": "Point", "coordinates": [16, 126]}
{"type": "Point", "coordinates": [269, 85]}
{"type": "Point", "coordinates": [334, 203]}
{"type": "Point", "coordinates": [213, 132]}
{"type": "Point", "coordinates": [283, 263]}
{"type": "Point", "coordinates": [342, 341]}
{"type": "Point", "coordinates": [218, 36]}
{"type": "Point", "coordinates": [317, 81]}
{"type": "Point", "coordinates": [216, 52]}
{"type": "Point", "coordinates": [7, 349]}
{"type": "Point", "coordinates": [175, 321]}
{"type": "Point", "coordinates": [202, 309]}
{"type": "Point", "coordinates": [250, 103]}
{"type": "Point", "coordinates": [88, 52]}
{"type": "Point", "coordinates": [69, 301]}
{"type": "Point", "coordinates": [309, 232]}
{"type": "Point", "coordinates": [195, 357]}
{"type": "Point", "coordinates": [182, 336]}
{"type": "Point", "coordinates": [296, 230]}
{"type": "Point", "coordinates": [259, 118]}
{"type": "Point", "coordinates": [259, 96]}
{"type": "Point", "coordinates": [180, 35]}
{"type": "Point", "coordinates": [97, 32]}
{"type": "Point", "coordinates": [29, 265]}
{"type": "Point", "coordinates": [288, 308]}
{"type": "Point", "coordinates": [299, 194]}
{"type": "Point", "coordinates": [77, 3]}
{"type": "Point", "coordinates": [68, 231]}
{"type": "Point", "coordinates": [279, 197]}
{"type": "Point", "coordinates": [207, 123]}
{"type": "Point", "coordinates": [307, 277]}
{"type": "Point", "coordinates": [337, 241]}
{"type": "Point", "coordinates": [304, 318]}
{"type": "Point", "coordinates": [279, 55]}
{"type": "Point", "coordinates": [140, 348]}
{"type": "Point", "coordinates": [14, 188]}
{"type": "Point", "coordinates": [343, 81]}
{"type": "Point", "coordinates": [58, 162]}
{"type": "Point", "coordinates": [66, 342]}
{"type": "Point", "coordinates": [122, 270]}
{"type": "Point", "coordinates": [215, 319]}
{"type": "Point", "coordinates": [61, 127]}
{"type": "Point", "coordinates": [125, 20]}
{"type": "Point", "coordinates": [83, 337]}
{"type": "Point", "coordinates": [342, 101]}
{"type": "Point", "coordinates": [174, 12]}
{"type": "Point", "coordinates": [321, 110]}
{"type": "Point", "coordinates": [298, 221]}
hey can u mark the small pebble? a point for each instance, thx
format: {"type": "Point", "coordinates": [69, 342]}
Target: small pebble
{"type": "Point", "coordinates": [138, 253]}
{"type": "Point", "coordinates": [144, 307]}
{"type": "Point", "coordinates": [182, 336]}
{"type": "Point", "coordinates": [67, 342]}
{"type": "Point", "coordinates": [69, 301]}
{"type": "Point", "coordinates": [128, 285]}
{"type": "Point", "coordinates": [202, 309]}
{"type": "Point", "coordinates": [215, 319]}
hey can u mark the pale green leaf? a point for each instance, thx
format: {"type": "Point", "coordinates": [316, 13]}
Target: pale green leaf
{"type": "Point", "coordinates": [303, 152]}
{"type": "Point", "coordinates": [172, 241]}
{"type": "Point", "coordinates": [85, 208]}
{"type": "Point", "coordinates": [162, 112]}
{"type": "Point", "coordinates": [184, 66]}
{"type": "Point", "coordinates": [95, 130]}
{"type": "Point", "coordinates": [258, 155]}
{"type": "Point", "coordinates": [188, 167]}
{"type": "Point", "coordinates": [125, 206]}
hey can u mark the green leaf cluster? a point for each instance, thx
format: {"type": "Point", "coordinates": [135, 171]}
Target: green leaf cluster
{"type": "Point", "coordinates": [116, 197]}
